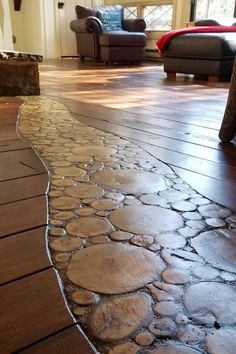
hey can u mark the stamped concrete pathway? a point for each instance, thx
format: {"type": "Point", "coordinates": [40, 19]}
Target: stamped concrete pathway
{"type": "Point", "coordinates": [147, 264]}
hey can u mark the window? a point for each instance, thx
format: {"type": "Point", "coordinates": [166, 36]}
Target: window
{"type": "Point", "coordinates": [214, 9]}
{"type": "Point", "coordinates": [158, 17]}
{"type": "Point", "coordinates": [130, 12]}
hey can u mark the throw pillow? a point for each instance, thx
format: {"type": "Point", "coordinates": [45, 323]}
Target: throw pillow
{"type": "Point", "coordinates": [111, 19]}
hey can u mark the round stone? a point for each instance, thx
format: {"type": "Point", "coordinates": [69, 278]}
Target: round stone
{"type": "Point", "coordinates": [105, 204]}
{"type": "Point", "coordinates": [205, 272]}
{"type": "Point", "coordinates": [181, 319]}
{"type": "Point", "coordinates": [174, 349]}
{"type": "Point", "coordinates": [163, 327]}
{"type": "Point", "coordinates": [125, 348]}
{"type": "Point", "coordinates": [222, 341]}
{"type": "Point", "coordinates": [62, 257]}
{"type": "Point", "coordinates": [83, 297]}
{"type": "Point", "coordinates": [172, 195]}
{"type": "Point", "coordinates": [167, 308]}
{"type": "Point", "coordinates": [64, 203]}
{"type": "Point", "coordinates": [196, 224]}
{"type": "Point", "coordinates": [182, 205]}
{"type": "Point", "coordinates": [86, 211]}
{"type": "Point", "coordinates": [63, 182]}
{"type": "Point", "coordinates": [65, 244]}
{"type": "Point", "coordinates": [99, 240]}
{"type": "Point", "coordinates": [145, 219]}
{"type": "Point", "coordinates": [153, 199]}
{"type": "Point", "coordinates": [57, 231]}
{"type": "Point", "coordinates": [77, 158]}
{"type": "Point", "coordinates": [190, 334]}
{"type": "Point", "coordinates": [130, 181]}
{"type": "Point", "coordinates": [217, 248]}
{"type": "Point", "coordinates": [84, 190]}
{"type": "Point", "coordinates": [214, 211]}
{"type": "Point", "coordinates": [188, 232]}
{"type": "Point", "coordinates": [63, 215]}
{"type": "Point", "coordinates": [142, 240]}
{"type": "Point", "coordinates": [70, 172]}
{"type": "Point", "coordinates": [228, 276]}
{"type": "Point", "coordinates": [120, 236]}
{"type": "Point", "coordinates": [199, 201]}
{"type": "Point", "coordinates": [114, 268]}
{"type": "Point", "coordinates": [80, 311]}
{"type": "Point", "coordinates": [211, 302]}
{"type": "Point", "coordinates": [88, 227]}
{"type": "Point", "coordinates": [144, 338]}
{"type": "Point", "coordinates": [176, 276]}
{"type": "Point", "coordinates": [171, 240]}
{"type": "Point", "coordinates": [94, 150]}
{"type": "Point", "coordinates": [60, 164]}
{"type": "Point", "coordinates": [192, 215]}
{"type": "Point", "coordinates": [124, 314]}
{"type": "Point", "coordinates": [215, 222]}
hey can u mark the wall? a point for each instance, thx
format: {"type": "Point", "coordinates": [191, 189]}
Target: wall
{"type": "Point", "coordinates": [5, 26]}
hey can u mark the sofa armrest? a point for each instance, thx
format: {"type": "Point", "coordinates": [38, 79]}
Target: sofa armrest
{"type": "Point", "coordinates": [134, 25]}
{"type": "Point", "coordinates": [87, 25]}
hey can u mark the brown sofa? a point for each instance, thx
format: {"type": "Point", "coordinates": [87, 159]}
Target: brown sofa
{"type": "Point", "coordinates": [127, 44]}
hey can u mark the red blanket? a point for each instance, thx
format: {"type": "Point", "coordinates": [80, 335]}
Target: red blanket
{"type": "Point", "coordinates": [166, 38]}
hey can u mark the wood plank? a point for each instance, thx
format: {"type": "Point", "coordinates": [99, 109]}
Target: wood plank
{"type": "Point", "coordinates": [210, 168]}
{"type": "Point", "coordinates": [23, 254]}
{"type": "Point", "coordinates": [31, 308]}
{"type": "Point", "coordinates": [71, 341]}
{"type": "Point", "coordinates": [8, 133]}
{"type": "Point", "coordinates": [16, 144]}
{"type": "Point", "coordinates": [23, 215]}
{"type": "Point", "coordinates": [26, 157]}
{"type": "Point", "coordinates": [23, 188]}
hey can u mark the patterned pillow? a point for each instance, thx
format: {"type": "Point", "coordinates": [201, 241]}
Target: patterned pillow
{"type": "Point", "coordinates": [110, 18]}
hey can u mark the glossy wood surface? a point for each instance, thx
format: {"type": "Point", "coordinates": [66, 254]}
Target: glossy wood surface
{"type": "Point", "coordinates": [177, 122]}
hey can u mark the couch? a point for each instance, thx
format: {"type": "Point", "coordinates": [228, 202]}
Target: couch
{"type": "Point", "coordinates": [103, 34]}
{"type": "Point", "coordinates": [202, 54]}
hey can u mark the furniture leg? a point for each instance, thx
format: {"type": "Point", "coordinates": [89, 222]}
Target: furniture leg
{"type": "Point", "coordinates": [171, 76]}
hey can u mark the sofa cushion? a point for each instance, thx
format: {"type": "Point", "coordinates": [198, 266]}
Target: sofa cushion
{"type": "Point", "coordinates": [82, 11]}
{"type": "Point", "coordinates": [203, 45]}
{"type": "Point", "coordinates": [122, 39]}
{"type": "Point", "coordinates": [110, 18]}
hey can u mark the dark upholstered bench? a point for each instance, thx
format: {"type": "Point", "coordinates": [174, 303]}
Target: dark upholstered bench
{"type": "Point", "coordinates": [19, 73]}
{"type": "Point", "coordinates": [210, 54]}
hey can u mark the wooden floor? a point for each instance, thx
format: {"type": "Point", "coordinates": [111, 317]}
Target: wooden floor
{"type": "Point", "coordinates": [34, 317]}
{"type": "Point", "coordinates": [177, 122]}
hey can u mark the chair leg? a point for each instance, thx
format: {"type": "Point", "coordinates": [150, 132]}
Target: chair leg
{"type": "Point", "coordinates": [171, 76]}
{"type": "Point", "coordinates": [213, 79]}
{"type": "Point", "coordinates": [81, 58]}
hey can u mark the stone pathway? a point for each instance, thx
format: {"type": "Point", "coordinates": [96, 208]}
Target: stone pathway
{"type": "Point", "coordinates": [147, 264]}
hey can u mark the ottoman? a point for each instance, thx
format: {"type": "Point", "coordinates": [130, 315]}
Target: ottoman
{"type": "Point", "coordinates": [122, 46]}
{"type": "Point", "coordinates": [209, 54]}
{"type": "Point", "coordinates": [19, 73]}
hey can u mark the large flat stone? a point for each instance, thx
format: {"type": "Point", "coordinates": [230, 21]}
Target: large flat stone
{"type": "Point", "coordinates": [114, 268]}
{"type": "Point", "coordinates": [145, 219]}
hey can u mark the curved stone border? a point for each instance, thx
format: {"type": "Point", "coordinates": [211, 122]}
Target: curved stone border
{"type": "Point", "coordinates": [82, 214]}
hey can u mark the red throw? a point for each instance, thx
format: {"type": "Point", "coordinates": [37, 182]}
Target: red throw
{"type": "Point", "coordinates": [165, 39]}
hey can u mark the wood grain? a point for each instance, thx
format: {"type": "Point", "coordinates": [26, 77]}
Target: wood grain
{"type": "Point", "coordinates": [70, 341]}
{"type": "Point", "coordinates": [23, 215]}
{"type": "Point", "coordinates": [23, 254]}
{"type": "Point", "coordinates": [23, 188]}
{"type": "Point", "coordinates": [31, 308]}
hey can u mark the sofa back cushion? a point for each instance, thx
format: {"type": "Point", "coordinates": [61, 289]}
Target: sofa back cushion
{"type": "Point", "coordinates": [82, 11]}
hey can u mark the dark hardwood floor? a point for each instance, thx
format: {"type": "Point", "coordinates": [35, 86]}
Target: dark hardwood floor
{"type": "Point", "coordinates": [177, 122]}
{"type": "Point", "coordinates": [34, 317]}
